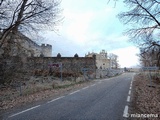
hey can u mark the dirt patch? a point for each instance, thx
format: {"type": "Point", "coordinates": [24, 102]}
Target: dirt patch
{"type": "Point", "coordinates": [145, 98]}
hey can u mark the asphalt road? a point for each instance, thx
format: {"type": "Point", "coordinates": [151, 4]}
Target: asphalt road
{"type": "Point", "coordinates": [103, 100]}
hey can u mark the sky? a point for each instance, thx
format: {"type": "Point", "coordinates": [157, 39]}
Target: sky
{"type": "Point", "coordinates": [90, 26]}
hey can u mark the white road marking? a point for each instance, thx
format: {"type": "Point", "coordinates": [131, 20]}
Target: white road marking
{"type": "Point", "coordinates": [85, 88]}
{"type": "Point", "coordinates": [104, 79]}
{"type": "Point", "coordinates": [129, 93]}
{"type": "Point", "coordinates": [55, 99]}
{"type": "Point", "coordinates": [128, 99]}
{"type": "Point", "coordinates": [74, 92]}
{"type": "Point", "coordinates": [125, 113]}
{"type": "Point", "coordinates": [130, 87]}
{"type": "Point", "coordinates": [93, 85]}
{"type": "Point", "coordinates": [109, 79]}
{"type": "Point", "coordinates": [25, 111]}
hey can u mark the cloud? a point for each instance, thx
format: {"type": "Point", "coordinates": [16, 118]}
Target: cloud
{"type": "Point", "coordinates": [127, 56]}
{"type": "Point", "coordinates": [86, 24]}
{"type": "Point", "coordinates": [78, 29]}
{"type": "Point", "coordinates": [91, 25]}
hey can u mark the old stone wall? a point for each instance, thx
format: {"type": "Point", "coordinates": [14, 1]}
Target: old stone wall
{"type": "Point", "coordinates": [21, 44]}
{"type": "Point", "coordinates": [45, 66]}
{"type": "Point", "coordinates": [70, 65]}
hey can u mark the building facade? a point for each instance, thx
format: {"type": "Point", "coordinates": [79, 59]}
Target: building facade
{"type": "Point", "coordinates": [102, 61]}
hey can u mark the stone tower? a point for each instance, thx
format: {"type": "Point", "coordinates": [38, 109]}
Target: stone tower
{"type": "Point", "coordinates": [46, 50]}
{"type": "Point", "coordinates": [103, 54]}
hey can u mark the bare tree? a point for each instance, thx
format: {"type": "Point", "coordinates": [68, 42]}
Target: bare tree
{"type": "Point", "coordinates": [150, 57]}
{"type": "Point", "coordinates": [23, 16]}
{"type": "Point", "coordinates": [27, 16]}
{"type": "Point", "coordinates": [144, 18]}
{"type": "Point", "coordinates": [115, 2]}
{"type": "Point", "coordinates": [113, 61]}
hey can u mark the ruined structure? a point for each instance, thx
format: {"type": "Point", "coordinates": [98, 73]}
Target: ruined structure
{"type": "Point", "coordinates": [69, 64]}
{"type": "Point", "coordinates": [15, 69]}
{"type": "Point", "coordinates": [38, 61]}
{"type": "Point", "coordinates": [20, 44]}
{"type": "Point", "coordinates": [102, 61]}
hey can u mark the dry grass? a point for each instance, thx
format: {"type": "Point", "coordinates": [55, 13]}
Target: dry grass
{"type": "Point", "coordinates": [146, 99]}
{"type": "Point", "coordinates": [35, 91]}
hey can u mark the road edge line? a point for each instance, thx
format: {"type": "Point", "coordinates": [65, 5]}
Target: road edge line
{"type": "Point", "coordinates": [24, 111]}
{"type": "Point", "coordinates": [125, 113]}
{"type": "Point", "coordinates": [55, 99]}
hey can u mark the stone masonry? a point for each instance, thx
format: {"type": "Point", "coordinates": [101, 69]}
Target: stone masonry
{"type": "Point", "coordinates": [24, 68]}
{"type": "Point", "coordinates": [20, 44]}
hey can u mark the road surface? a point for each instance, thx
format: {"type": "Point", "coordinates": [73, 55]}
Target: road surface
{"type": "Point", "coordinates": [103, 100]}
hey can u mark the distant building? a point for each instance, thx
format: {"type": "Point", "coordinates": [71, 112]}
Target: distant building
{"type": "Point", "coordinates": [102, 61]}
{"type": "Point", "coordinates": [23, 45]}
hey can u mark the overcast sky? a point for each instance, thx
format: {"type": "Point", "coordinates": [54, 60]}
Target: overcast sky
{"type": "Point", "coordinates": [90, 26]}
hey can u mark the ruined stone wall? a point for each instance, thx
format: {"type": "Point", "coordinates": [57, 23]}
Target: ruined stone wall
{"type": "Point", "coordinates": [22, 68]}
{"type": "Point", "coordinates": [21, 44]}
{"type": "Point", "coordinates": [69, 64]}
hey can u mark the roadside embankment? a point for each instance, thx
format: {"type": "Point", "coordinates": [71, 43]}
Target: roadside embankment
{"type": "Point", "coordinates": [145, 102]}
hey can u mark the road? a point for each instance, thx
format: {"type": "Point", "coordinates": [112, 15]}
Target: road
{"type": "Point", "coordinates": [103, 100]}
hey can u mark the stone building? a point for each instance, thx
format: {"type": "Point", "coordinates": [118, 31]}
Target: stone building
{"type": "Point", "coordinates": [102, 61]}
{"type": "Point", "coordinates": [24, 45]}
